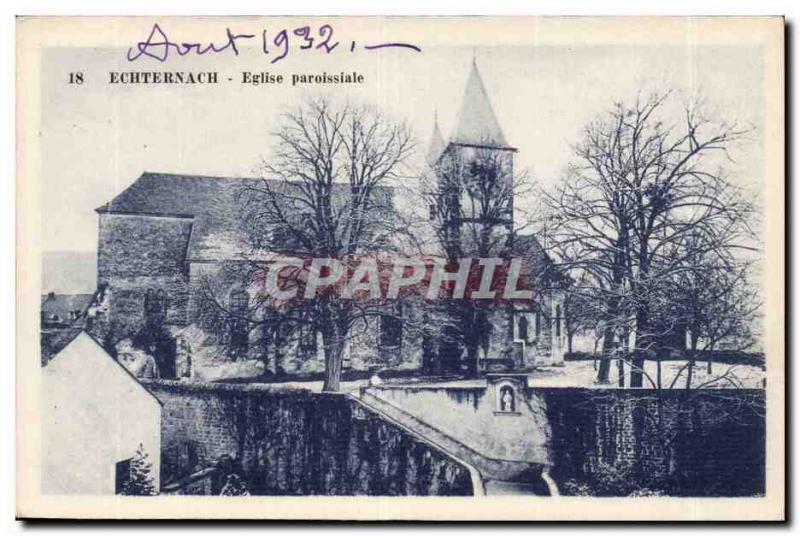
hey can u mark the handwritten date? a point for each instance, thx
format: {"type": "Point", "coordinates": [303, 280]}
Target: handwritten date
{"type": "Point", "coordinates": [158, 45]}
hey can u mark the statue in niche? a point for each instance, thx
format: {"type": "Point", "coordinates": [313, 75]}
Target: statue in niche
{"type": "Point", "coordinates": [507, 399]}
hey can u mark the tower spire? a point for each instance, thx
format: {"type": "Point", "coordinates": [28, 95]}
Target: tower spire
{"type": "Point", "coordinates": [477, 123]}
{"type": "Point", "coordinates": [436, 146]}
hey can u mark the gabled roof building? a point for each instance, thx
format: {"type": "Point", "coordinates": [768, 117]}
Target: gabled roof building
{"type": "Point", "coordinates": [95, 417]}
{"type": "Point", "coordinates": [165, 236]}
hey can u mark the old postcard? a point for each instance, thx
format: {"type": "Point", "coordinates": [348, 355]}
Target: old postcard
{"type": "Point", "coordinates": [400, 268]}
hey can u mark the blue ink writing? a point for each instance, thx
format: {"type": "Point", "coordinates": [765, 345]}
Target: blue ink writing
{"type": "Point", "coordinates": [158, 46]}
{"type": "Point", "coordinates": [279, 45]}
{"type": "Point", "coordinates": [393, 45]}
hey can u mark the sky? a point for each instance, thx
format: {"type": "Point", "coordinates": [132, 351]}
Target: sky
{"type": "Point", "coordinates": [98, 138]}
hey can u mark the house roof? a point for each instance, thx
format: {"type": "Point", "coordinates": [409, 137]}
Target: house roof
{"type": "Point", "coordinates": [80, 334]}
{"type": "Point", "coordinates": [169, 194]}
{"type": "Point", "coordinates": [215, 206]}
{"type": "Point", "coordinates": [538, 262]}
{"type": "Point", "coordinates": [63, 304]}
{"type": "Point", "coordinates": [477, 123]}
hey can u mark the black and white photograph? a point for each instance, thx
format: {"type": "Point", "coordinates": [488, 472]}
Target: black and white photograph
{"type": "Point", "coordinates": [534, 260]}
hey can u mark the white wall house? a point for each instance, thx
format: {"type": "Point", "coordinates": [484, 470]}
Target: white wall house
{"type": "Point", "coordinates": [95, 416]}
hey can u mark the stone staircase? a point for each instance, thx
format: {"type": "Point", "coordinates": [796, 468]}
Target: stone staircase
{"type": "Point", "coordinates": [492, 476]}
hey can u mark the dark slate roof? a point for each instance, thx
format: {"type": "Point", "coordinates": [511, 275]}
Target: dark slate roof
{"type": "Point", "coordinates": [537, 261]}
{"type": "Point", "coordinates": [54, 341]}
{"type": "Point", "coordinates": [214, 204]}
{"type": "Point", "coordinates": [63, 304]}
{"type": "Point", "coordinates": [167, 194]}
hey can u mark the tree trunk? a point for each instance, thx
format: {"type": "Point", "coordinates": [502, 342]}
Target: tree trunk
{"type": "Point", "coordinates": [642, 344]}
{"type": "Point", "coordinates": [608, 334]}
{"type": "Point", "coordinates": [472, 360]}
{"type": "Point", "coordinates": [637, 366]}
{"type": "Point", "coordinates": [333, 340]}
{"type": "Point", "coordinates": [692, 355]}
{"type": "Point", "coordinates": [477, 339]}
{"type": "Point", "coordinates": [605, 360]}
{"type": "Point", "coordinates": [658, 370]}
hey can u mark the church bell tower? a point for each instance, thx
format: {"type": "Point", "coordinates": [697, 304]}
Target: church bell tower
{"type": "Point", "coordinates": [475, 173]}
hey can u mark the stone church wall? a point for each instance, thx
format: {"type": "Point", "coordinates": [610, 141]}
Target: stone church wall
{"type": "Point", "coordinates": [363, 351]}
{"type": "Point", "coordinates": [298, 442]}
{"type": "Point", "coordinates": [622, 441]}
{"type": "Point", "coordinates": [137, 253]}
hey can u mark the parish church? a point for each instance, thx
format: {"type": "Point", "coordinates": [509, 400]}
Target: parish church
{"type": "Point", "coordinates": [163, 236]}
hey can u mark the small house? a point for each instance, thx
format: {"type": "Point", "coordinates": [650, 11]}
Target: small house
{"type": "Point", "coordinates": [95, 417]}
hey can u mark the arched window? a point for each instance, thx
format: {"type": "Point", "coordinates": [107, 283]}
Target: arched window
{"type": "Point", "coordinates": [391, 328]}
{"type": "Point", "coordinates": [558, 320]}
{"type": "Point", "coordinates": [155, 307]}
{"type": "Point", "coordinates": [307, 340]}
{"type": "Point", "coordinates": [239, 301]}
{"type": "Point", "coordinates": [238, 335]}
{"type": "Point", "coordinates": [522, 328]}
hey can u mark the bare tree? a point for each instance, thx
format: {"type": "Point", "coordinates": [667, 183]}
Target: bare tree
{"type": "Point", "coordinates": [325, 192]}
{"type": "Point", "coordinates": [641, 181]}
{"type": "Point", "coordinates": [581, 311]}
{"type": "Point", "coordinates": [714, 299]}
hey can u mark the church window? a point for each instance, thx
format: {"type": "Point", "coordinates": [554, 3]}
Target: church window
{"type": "Point", "coordinates": [155, 307]}
{"type": "Point", "coordinates": [391, 328]}
{"type": "Point", "coordinates": [238, 335]}
{"type": "Point", "coordinates": [522, 328]}
{"type": "Point", "coordinates": [558, 320]}
{"type": "Point", "coordinates": [307, 342]}
{"type": "Point", "coordinates": [239, 301]}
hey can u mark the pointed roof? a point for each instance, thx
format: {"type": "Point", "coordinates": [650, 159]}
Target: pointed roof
{"type": "Point", "coordinates": [80, 346]}
{"type": "Point", "coordinates": [436, 146]}
{"type": "Point", "coordinates": [477, 124]}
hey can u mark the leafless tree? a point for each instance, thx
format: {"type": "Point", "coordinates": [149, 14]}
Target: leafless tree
{"type": "Point", "coordinates": [641, 181]}
{"type": "Point", "coordinates": [325, 192]}
{"type": "Point", "coordinates": [714, 298]}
